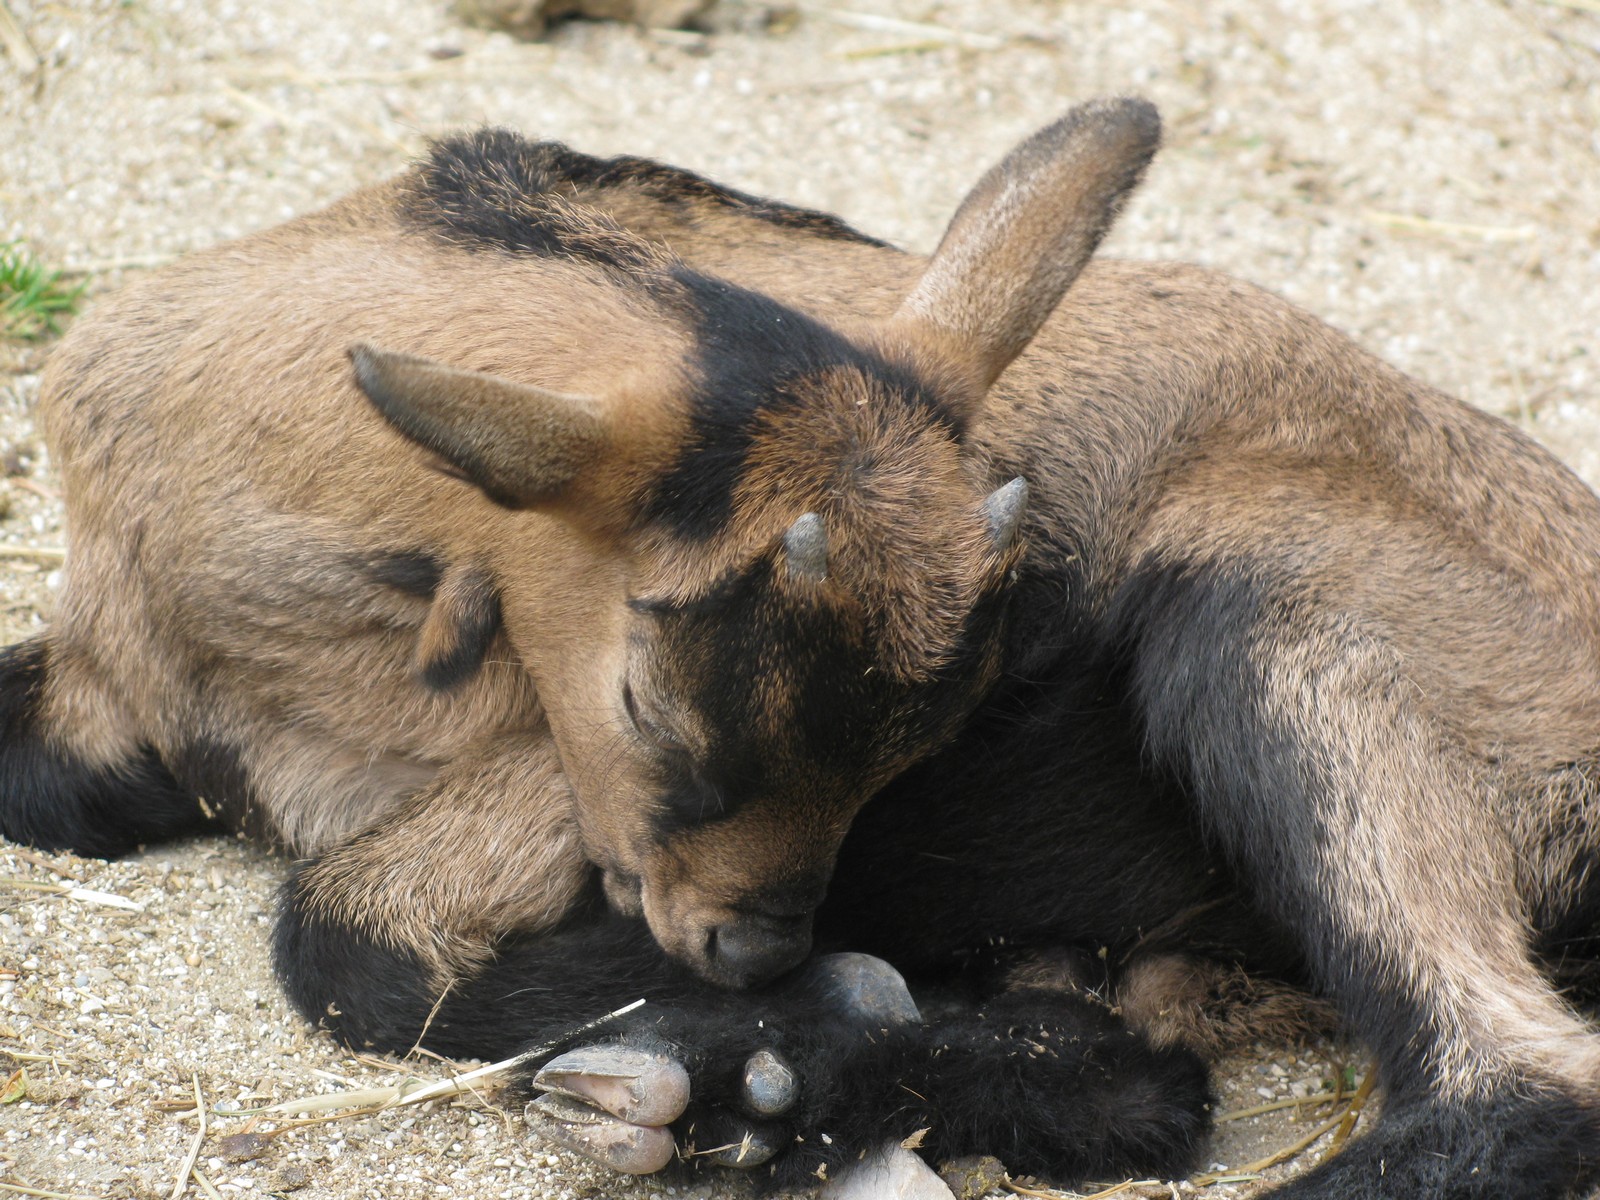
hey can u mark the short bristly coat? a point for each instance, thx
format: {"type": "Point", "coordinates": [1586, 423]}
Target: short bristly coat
{"type": "Point", "coordinates": [1273, 658]}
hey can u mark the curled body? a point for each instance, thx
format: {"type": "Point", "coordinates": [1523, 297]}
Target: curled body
{"type": "Point", "coordinates": [598, 579]}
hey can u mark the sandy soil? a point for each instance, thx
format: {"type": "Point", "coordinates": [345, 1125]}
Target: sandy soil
{"type": "Point", "coordinates": [1426, 177]}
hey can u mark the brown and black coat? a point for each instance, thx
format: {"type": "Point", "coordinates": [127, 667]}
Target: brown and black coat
{"type": "Point", "coordinates": [1274, 657]}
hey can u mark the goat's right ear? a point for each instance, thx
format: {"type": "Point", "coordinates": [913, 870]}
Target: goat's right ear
{"type": "Point", "coordinates": [521, 444]}
{"type": "Point", "coordinates": [1024, 232]}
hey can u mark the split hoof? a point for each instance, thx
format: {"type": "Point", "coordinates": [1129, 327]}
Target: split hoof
{"type": "Point", "coordinates": [728, 1141]}
{"type": "Point", "coordinates": [614, 1103]}
{"type": "Point", "coordinates": [635, 1085]}
{"type": "Point", "coordinates": [631, 1149]}
{"type": "Point", "coordinates": [862, 987]}
{"type": "Point", "coordinates": [770, 1087]}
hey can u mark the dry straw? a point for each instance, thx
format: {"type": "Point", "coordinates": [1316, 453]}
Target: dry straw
{"type": "Point", "coordinates": [87, 895]}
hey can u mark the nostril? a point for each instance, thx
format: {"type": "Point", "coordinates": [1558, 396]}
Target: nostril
{"type": "Point", "coordinates": [749, 949]}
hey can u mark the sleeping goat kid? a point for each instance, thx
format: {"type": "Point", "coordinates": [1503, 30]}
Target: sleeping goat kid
{"type": "Point", "coordinates": [556, 554]}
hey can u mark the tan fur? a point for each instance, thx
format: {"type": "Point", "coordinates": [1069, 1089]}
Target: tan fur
{"type": "Point", "coordinates": [1216, 1009]}
{"type": "Point", "coordinates": [1430, 638]}
{"type": "Point", "coordinates": [984, 290]}
{"type": "Point", "coordinates": [1177, 999]}
{"type": "Point", "coordinates": [465, 595]}
{"type": "Point", "coordinates": [489, 848]}
{"type": "Point", "coordinates": [527, 442]}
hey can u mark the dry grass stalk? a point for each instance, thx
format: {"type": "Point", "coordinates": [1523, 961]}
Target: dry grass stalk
{"type": "Point", "coordinates": [22, 1190]}
{"type": "Point", "coordinates": [1352, 1114]}
{"type": "Point", "coordinates": [22, 51]}
{"type": "Point", "coordinates": [921, 47]}
{"type": "Point", "coordinates": [366, 1101]}
{"type": "Point", "coordinates": [1122, 1187]}
{"type": "Point", "coordinates": [56, 865]}
{"type": "Point", "coordinates": [87, 895]}
{"type": "Point", "coordinates": [373, 1063]}
{"type": "Point", "coordinates": [182, 1183]}
{"type": "Point", "coordinates": [271, 76]}
{"type": "Point", "coordinates": [1288, 1152]}
{"type": "Point", "coordinates": [742, 1145]}
{"type": "Point", "coordinates": [1017, 1189]}
{"type": "Point", "coordinates": [1277, 1105]}
{"type": "Point", "coordinates": [296, 76]}
{"type": "Point", "coordinates": [260, 107]}
{"type": "Point", "coordinates": [1405, 223]}
{"type": "Point", "coordinates": [39, 554]}
{"type": "Point", "coordinates": [874, 23]}
{"type": "Point", "coordinates": [432, 1013]}
{"type": "Point", "coordinates": [1116, 1189]}
{"type": "Point", "coordinates": [37, 488]}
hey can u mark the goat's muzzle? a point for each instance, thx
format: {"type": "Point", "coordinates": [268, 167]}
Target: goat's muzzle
{"type": "Point", "coordinates": [751, 948]}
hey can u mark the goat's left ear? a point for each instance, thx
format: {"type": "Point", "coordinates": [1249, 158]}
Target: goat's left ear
{"type": "Point", "coordinates": [1024, 233]}
{"type": "Point", "coordinates": [523, 445]}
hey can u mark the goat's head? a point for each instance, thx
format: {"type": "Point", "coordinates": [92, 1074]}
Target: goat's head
{"type": "Point", "coordinates": [788, 577]}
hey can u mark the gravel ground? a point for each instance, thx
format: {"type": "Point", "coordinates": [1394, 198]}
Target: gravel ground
{"type": "Point", "coordinates": [1425, 176]}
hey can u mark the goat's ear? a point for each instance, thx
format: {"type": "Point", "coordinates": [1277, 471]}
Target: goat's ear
{"type": "Point", "coordinates": [1024, 232]}
{"type": "Point", "coordinates": [521, 444]}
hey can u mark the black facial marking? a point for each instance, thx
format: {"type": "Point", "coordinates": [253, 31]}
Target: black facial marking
{"type": "Point", "coordinates": [491, 189]}
{"type": "Point", "coordinates": [690, 798]}
{"type": "Point", "coordinates": [751, 353]}
{"type": "Point", "coordinates": [833, 716]}
{"type": "Point", "coordinates": [414, 572]}
{"type": "Point", "coordinates": [688, 793]}
{"type": "Point", "coordinates": [651, 606]}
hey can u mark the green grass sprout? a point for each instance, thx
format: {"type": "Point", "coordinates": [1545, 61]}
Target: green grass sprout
{"type": "Point", "coordinates": [33, 300]}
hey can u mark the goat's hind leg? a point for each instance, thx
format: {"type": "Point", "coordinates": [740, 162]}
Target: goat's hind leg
{"type": "Point", "coordinates": [91, 787]}
{"type": "Point", "coordinates": [1360, 824]}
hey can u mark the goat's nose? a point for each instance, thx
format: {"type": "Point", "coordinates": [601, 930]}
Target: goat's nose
{"type": "Point", "coordinates": [753, 948]}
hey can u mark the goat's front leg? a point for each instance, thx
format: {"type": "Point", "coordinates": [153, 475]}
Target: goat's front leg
{"type": "Point", "coordinates": [467, 921]}
{"type": "Point", "coordinates": [411, 907]}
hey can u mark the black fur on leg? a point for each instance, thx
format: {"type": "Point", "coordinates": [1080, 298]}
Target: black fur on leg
{"type": "Point", "coordinates": [365, 993]}
{"type": "Point", "coordinates": [372, 994]}
{"type": "Point", "coordinates": [1050, 1084]}
{"type": "Point", "coordinates": [1546, 1146]}
{"type": "Point", "coordinates": [52, 799]}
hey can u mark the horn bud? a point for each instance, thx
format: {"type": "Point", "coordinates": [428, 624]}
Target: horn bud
{"type": "Point", "coordinates": [805, 549]}
{"type": "Point", "coordinates": [1002, 509]}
